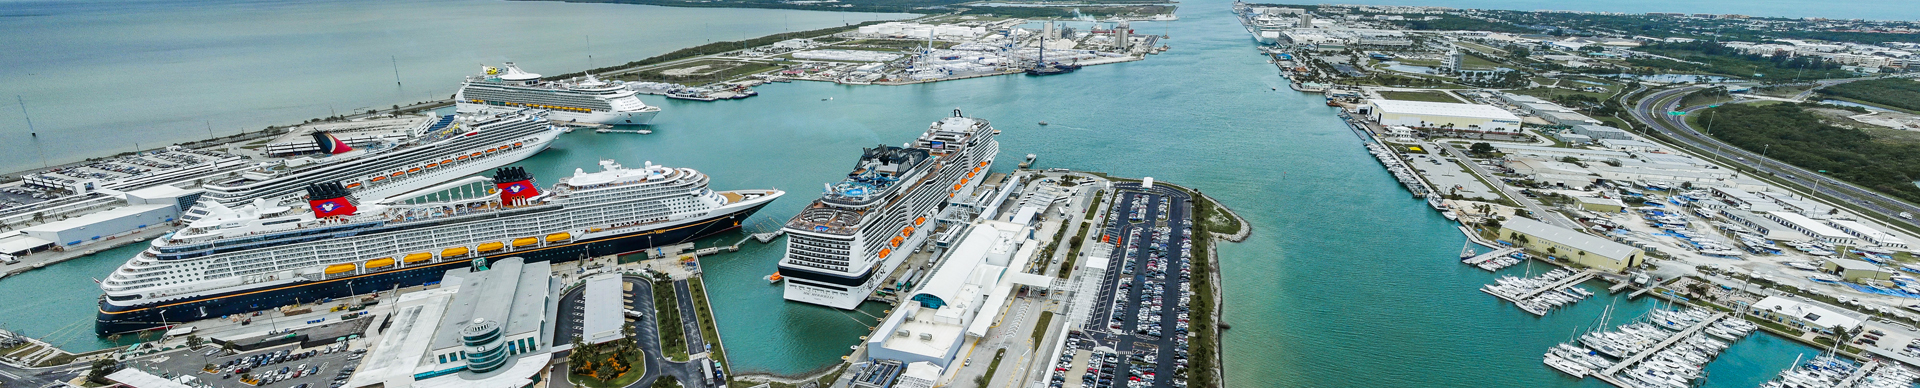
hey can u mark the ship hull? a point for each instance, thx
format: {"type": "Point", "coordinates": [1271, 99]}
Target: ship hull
{"type": "Point", "coordinates": [639, 117]}
{"type": "Point", "coordinates": [121, 319]}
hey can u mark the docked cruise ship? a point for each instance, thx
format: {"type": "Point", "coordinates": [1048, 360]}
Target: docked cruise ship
{"type": "Point", "coordinates": [435, 151]}
{"type": "Point", "coordinates": [261, 256]}
{"type": "Point", "coordinates": [843, 246]}
{"type": "Point", "coordinates": [586, 99]}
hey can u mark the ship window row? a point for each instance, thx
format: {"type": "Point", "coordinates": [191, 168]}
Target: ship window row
{"type": "Point", "coordinates": [504, 134]}
{"type": "Point", "coordinates": [817, 265]}
{"type": "Point", "coordinates": [245, 264]}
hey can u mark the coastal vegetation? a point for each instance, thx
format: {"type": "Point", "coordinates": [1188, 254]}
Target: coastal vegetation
{"type": "Point", "coordinates": [1070, 12]}
{"type": "Point", "coordinates": [1791, 134]}
{"type": "Point", "coordinates": [1902, 93]}
{"type": "Point", "coordinates": [610, 364]}
{"type": "Point", "coordinates": [709, 330]}
{"type": "Point", "coordinates": [1715, 58]}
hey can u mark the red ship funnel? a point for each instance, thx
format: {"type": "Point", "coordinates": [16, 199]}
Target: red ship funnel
{"type": "Point", "coordinates": [514, 184]}
{"type": "Point", "coordinates": [329, 199]}
{"type": "Point", "coordinates": [329, 144]}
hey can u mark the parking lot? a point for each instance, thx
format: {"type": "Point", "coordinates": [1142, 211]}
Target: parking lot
{"type": "Point", "coordinates": [282, 366]}
{"type": "Point", "coordinates": [1138, 335]}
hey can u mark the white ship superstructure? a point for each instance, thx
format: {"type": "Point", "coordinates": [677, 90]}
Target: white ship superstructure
{"type": "Point", "coordinates": [264, 256]}
{"type": "Point", "coordinates": [439, 150]}
{"type": "Point", "coordinates": [843, 245]}
{"type": "Point", "coordinates": [585, 99]}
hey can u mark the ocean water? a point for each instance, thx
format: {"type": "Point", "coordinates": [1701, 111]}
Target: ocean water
{"type": "Point", "coordinates": [102, 77]}
{"type": "Point", "coordinates": [1346, 281]}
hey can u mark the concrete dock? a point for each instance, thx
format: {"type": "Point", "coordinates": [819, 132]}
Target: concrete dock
{"type": "Point", "coordinates": [1482, 258]}
{"type": "Point", "coordinates": [1859, 373]}
{"type": "Point", "coordinates": [1607, 375]}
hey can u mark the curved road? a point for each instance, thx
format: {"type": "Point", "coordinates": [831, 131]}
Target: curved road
{"type": "Point", "coordinates": [1653, 110]}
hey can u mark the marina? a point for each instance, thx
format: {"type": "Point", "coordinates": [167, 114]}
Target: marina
{"type": "Point", "coordinates": [1542, 293]}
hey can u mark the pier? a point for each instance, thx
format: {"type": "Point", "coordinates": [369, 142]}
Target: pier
{"type": "Point", "coordinates": [1607, 375]}
{"type": "Point", "coordinates": [1859, 373]}
{"type": "Point", "coordinates": [1482, 258]}
{"type": "Point", "coordinates": [1570, 281]}
{"type": "Point", "coordinates": [763, 238]}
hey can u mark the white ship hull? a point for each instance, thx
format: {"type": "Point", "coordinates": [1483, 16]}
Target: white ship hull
{"type": "Point", "coordinates": [436, 176]}
{"type": "Point", "coordinates": [853, 296]}
{"type": "Point", "coordinates": [643, 116]}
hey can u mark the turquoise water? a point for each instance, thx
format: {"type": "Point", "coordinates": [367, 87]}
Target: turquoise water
{"type": "Point", "coordinates": [1346, 282]}
{"type": "Point", "coordinates": [92, 71]}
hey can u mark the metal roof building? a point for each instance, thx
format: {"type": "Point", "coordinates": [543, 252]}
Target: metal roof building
{"type": "Point", "coordinates": [1423, 114]}
{"type": "Point", "coordinates": [1569, 244]}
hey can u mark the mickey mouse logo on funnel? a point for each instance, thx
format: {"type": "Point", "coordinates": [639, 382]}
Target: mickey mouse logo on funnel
{"type": "Point", "coordinates": [514, 184]}
{"type": "Point", "coordinates": [330, 199]}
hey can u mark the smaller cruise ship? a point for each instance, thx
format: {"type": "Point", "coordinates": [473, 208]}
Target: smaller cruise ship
{"type": "Point", "coordinates": [584, 99]}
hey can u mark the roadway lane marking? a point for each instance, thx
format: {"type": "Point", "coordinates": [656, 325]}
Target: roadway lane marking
{"type": "Point", "coordinates": [9, 375]}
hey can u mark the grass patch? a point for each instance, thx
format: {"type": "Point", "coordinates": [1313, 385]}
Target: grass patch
{"type": "Point", "coordinates": [619, 360]}
{"type": "Point", "coordinates": [1205, 337]}
{"type": "Point", "coordinates": [1040, 327]}
{"type": "Point", "coordinates": [1073, 254]}
{"type": "Point", "coordinates": [1094, 208]}
{"type": "Point", "coordinates": [1428, 96]}
{"type": "Point", "coordinates": [713, 71]}
{"type": "Point", "coordinates": [666, 307]}
{"type": "Point", "coordinates": [709, 328]}
{"type": "Point", "coordinates": [987, 378]}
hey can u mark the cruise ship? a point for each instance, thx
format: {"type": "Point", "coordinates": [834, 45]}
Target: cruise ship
{"type": "Point", "coordinates": [843, 245]}
{"type": "Point", "coordinates": [586, 99]}
{"type": "Point", "coordinates": [261, 257]}
{"type": "Point", "coordinates": [437, 150]}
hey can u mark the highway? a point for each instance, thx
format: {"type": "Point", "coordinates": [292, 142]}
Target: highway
{"type": "Point", "coordinates": [1653, 110]}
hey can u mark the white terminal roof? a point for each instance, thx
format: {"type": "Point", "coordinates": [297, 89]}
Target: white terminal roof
{"type": "Point", "coordinates": [604, 313]}
{"type": "Point", "coordinates": [1569, 237]}
{"type": "Point", "coordinates": [1815, 314]}
{"type": "Point", "coordinates": [1443, 109]}
{"type": "Point", "coordinates": [134, 377]}
{"type": "Point", "coordinates": [1811, 226]}
{"type": "Point", "coordinates": [82, 222]}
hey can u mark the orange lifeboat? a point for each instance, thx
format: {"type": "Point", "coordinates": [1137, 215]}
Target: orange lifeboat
{"type": "Point", "coordinates": [353, 185]}
{"type": "Point", "coordinates": [896, 241]}
{"type": "Point", "coordinates": [920, 220]}
{"type": "Point", "coordinates": [884, 252]}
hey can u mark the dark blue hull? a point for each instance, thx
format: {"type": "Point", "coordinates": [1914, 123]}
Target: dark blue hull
{"type": "Point", "coordinates": [117, 319]}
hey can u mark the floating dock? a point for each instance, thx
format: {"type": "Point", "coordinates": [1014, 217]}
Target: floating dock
{"type": "Point", "coordinates": [1608, 375]}
{"type": "Point", "coordinates": [1569, 281]}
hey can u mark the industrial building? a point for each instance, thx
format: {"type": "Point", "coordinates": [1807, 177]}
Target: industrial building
{"type": "Point", "coordinates": [1571, 245]}
{"type": "Point", "coordinates": [1603, 205]}
{"type": "Point", "coordinates": [1420, 114]}
{"type": "Point", "coordinates": [103, 225]}
{"type": "Point", "coordinates": [1602, 132]}
{"type": "Point", "coordinates": [1868, 233]}
{"type": "Point", "coordinates": [1855, 270]}
{"type": "Point", "coordinates": [1811, 228]}
{"type": "Point", "coordinates": [485, 327]}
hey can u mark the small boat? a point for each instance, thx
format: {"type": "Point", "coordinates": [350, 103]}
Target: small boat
{"type": "Point", "coordinates": [1043, 123]}
{"type": "Point", "coordinates": [774, 278]}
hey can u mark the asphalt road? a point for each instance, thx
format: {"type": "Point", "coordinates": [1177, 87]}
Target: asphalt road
{"type": "Point", "coordinates": [1532, 206]}
{"type": "Point", "coordinates": [39, 377]}
{"type": "Point", "coordinates": [646, 333]}
{"type": "Point", "coordinates": [1653, 110]}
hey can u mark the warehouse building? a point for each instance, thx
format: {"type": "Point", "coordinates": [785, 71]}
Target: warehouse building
{"type": "Point", "coordinates": [102, 226]}
{"type": "Point", "coordinates": [1602, 132]}
{"type": "Point", "coordinates": [1571, 245]}
{"type": "Point", "coordinates": [960, 300]}
{"type": "Point", "coordinates": [1855, 270]}
{"type": "Point", "coordinates": [1811, 228]}
{"type": "Point", "coordinates": [1868, 233]}
{"type": "Point", "coordinates": [1420, 114]}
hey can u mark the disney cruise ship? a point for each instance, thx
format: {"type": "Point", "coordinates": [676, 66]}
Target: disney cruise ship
{"type": "Point", "coordinates": [586, 99]}
{"type": "Point", "coordinates": [843, 246]}
{"type": "Point", "coordinates": [439, 150]}
{"type": "Point", "coordinates": [263, 256]}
